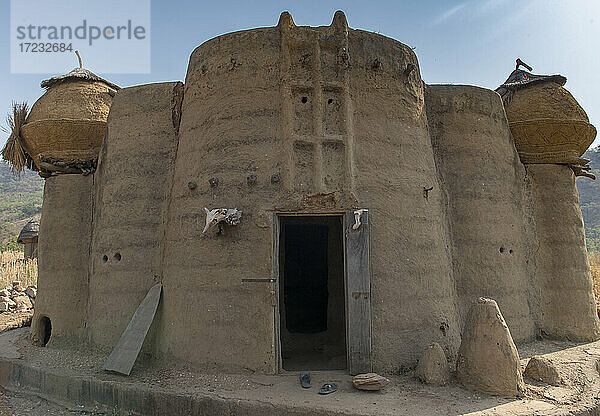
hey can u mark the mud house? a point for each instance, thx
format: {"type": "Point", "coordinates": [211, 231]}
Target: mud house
{"type": "Point", "coordinates": [29, 238]}
{"type": "Point", "coordinates": [363, 210]}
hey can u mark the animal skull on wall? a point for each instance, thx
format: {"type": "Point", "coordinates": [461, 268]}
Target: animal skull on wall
{"type": "Point", "coordinates": [217, 215]}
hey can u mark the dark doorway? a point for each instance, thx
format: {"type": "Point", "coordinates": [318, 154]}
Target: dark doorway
{"type": "Point", "coordinates": [45, 330]}
{"type": "Point", "coordinates": [312, 301]}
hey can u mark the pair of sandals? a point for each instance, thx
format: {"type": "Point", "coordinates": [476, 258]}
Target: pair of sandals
{"type": "Point", "coordinates": [325, 388]}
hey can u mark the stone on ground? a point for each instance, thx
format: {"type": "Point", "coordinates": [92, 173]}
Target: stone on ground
{"type": "Point", "coordinates": [4, 306]}
{"type": "Point", "coordinates": [23, 302]}
{"type": "Point", "coordinates": [370, 381]}
{"type": "Point", "coordinates": [542, 369]}
{"type": "Point", "coordinates": [488, 360]}
{"type": "Point", "coordinates": [31, 291]}
{"type": "Point", "coordinates": [433, 366]}
{"type": "Point", "coordinates": [9, 301]}
{"type": "Point", "coordinates": [17, 297]}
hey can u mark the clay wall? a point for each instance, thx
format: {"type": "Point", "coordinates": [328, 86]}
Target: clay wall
{"type": "Point", "coordinates": [131, 193]}
{"type": "Point", "coordinates": [30, 250]}
{"type": "Point", "coordinates": [561, 272]}
{"type": "Point", "coordinates": [64, 247]}
{"type": "Point", "coordinates": [230, 129]}
{"type": "Point", "coordinates": [412, 291]}
{"type": "Point", "coordinates": [483, 179]}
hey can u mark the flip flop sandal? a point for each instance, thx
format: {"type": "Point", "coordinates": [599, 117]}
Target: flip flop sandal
{"type": "Point", "coordinates": [328, 388]}
{"type": "Point", "coordinates": [305, 380]}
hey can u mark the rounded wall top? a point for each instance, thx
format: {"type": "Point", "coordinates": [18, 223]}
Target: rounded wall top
{"type": "Point", "coordinates": [230, 42]}
{"type": "Point", "coordinates": [471, 98]}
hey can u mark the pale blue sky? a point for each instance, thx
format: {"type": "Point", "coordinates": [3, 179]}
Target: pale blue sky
{"type": "Point", "coordinates": [460, 42]}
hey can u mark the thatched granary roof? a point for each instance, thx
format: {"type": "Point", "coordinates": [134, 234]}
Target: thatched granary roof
{"type": "Point", "coordinates": [29, 231]}
{"type": "Point", "coordinates": [76, 74]}
{"type": "Point", "coordinates": [521, 79]}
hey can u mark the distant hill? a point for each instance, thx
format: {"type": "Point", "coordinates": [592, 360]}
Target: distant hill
{"type": "Point", "coordinates": [20, 200]}
{"type": "Point", "coordinates": [589, 199]}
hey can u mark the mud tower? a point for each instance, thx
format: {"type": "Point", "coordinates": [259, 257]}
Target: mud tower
{"type": "Point", "coordinates": [551, 132]}
{"type": "Point", "coordinates": [375, 209]}
{"type": "Point", "coordinates": [279, 105]}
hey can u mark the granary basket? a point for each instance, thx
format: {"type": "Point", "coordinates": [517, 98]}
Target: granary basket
{"type": "Point", "coordinates": [68, 122]}
{"type": "Point", "coordinates": [547, 124]}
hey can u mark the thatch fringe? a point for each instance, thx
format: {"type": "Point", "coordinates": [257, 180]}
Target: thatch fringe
{"type": "Point", "coordinates": [14, 150]}
{"type": "Point", "coordinates": [519, 79]}
{"type": "Point", "coordinates": [76, 74]}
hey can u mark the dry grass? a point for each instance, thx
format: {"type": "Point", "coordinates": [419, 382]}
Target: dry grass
{"type": "Point", "coordinates": [14, 149]}
{"type": "Point", "coordinates": [13, 267]}
{"type": "Point", "coordinates": [595, 269]}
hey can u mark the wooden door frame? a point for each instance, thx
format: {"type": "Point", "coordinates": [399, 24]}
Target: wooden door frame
{"type": "Point", "coordinates": [277, 313]}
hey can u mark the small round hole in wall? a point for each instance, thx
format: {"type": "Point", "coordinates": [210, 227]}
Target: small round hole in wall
{"type": "Point", "coordinates": [304, 100]}
{"type": "Point", "coordinates": [117, 256]}
{"type": "Point", "coordinates": [330, 101]}
{"type": "Point", "coordinates": [105, 258]}
{"type": "Point", "coordinates": [502, 249]}
{"type": "Point", "coordinates": [511, 251]}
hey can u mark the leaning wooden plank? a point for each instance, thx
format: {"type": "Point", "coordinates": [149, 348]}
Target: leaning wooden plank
{"type": "Point", "coordinates": [123, 356]}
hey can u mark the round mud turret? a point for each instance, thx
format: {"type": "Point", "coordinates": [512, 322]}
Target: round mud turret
{"type": "Point", "coordinates": [337, 117]}
{"type": "Point", "coordinates": [468, 126]}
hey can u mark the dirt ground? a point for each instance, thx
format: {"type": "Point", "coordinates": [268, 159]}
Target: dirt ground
{"type": "Point", "coordinates": [15, 404]}
{"type": "Point", "coordinates": [404, 396]}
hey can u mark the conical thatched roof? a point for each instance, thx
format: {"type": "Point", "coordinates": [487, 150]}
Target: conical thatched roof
{"type": "Point", "coordinates": [77, 73]}
{"type": "Point", "coordinates": [521, 79]}
{"type": "Point", "coordinates": [29, 231]}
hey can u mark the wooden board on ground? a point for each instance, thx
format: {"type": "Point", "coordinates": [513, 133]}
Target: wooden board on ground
{"type": "Point", "coordinates": [123, 356]}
